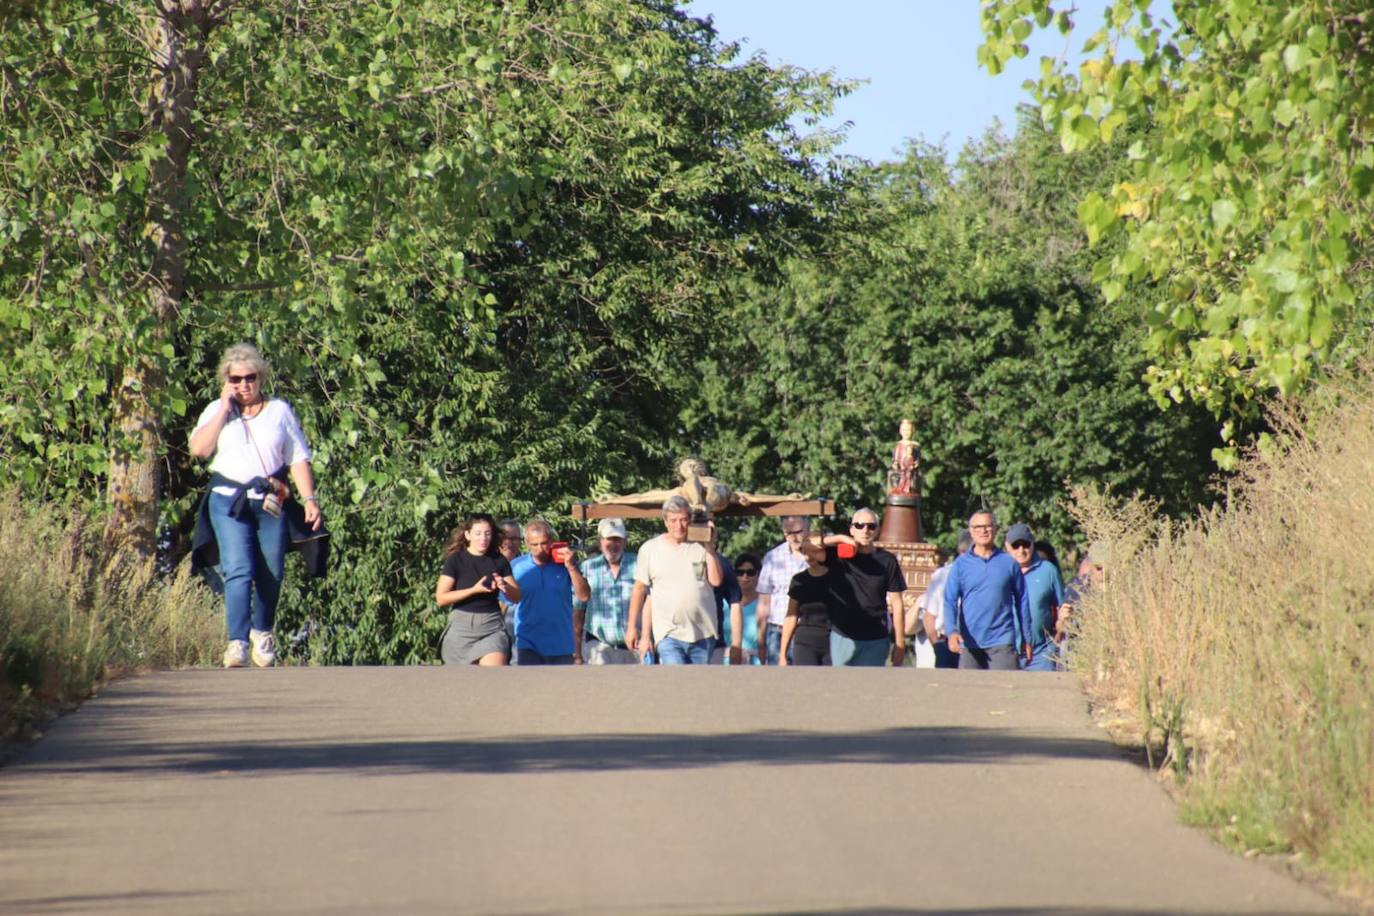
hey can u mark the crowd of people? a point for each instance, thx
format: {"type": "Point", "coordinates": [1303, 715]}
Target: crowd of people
{"type": "Point", "coordinates": [814, 599]}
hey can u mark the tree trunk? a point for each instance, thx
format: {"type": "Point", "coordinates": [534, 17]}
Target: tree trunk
{"type": "Point", "coordinates": [177, 34]}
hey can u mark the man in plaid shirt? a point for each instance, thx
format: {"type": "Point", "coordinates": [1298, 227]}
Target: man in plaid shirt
{"type": "Point", "coordinates": [599, 622]}
{"type": "Point", "coordinates": [779, 566]}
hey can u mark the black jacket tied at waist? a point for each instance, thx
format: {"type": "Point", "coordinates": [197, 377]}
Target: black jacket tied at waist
{"type": "Point", "coordinates": [313, 545]}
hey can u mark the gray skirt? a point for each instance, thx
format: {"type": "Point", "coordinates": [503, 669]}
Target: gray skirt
{"type": "Point", "coordinates": [469, 636]}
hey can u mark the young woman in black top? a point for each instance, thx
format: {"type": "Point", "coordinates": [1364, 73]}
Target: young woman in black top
{"type": "Point", "coordinates": [474, 574]}
{"type": "Point", "coordinates": [810, 600]}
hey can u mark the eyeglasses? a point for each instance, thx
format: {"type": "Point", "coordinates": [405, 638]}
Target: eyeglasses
{"type": "Point", "coordinates": [250, 378]}
{"type": "Point", "coordinates": [982, 527]}
{"type": "Point", "coordinates": [1021, 545]}
{"type": "Point", "coordinates": [794, 534]}
{"type": "Point", "coordinates": [746, 572]}
{"type": "Point", "coordinates": [864, 526]}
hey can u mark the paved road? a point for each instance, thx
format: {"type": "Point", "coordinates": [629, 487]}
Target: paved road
{"type": "Point", "coordinates": [628, 790]}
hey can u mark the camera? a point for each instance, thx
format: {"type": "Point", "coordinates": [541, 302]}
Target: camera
{"type": "Point", "coordinates": [277, 493]}
{"type": "Point", "coordinates": [560, 551]}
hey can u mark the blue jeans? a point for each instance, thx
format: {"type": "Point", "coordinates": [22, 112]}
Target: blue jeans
{"type": "Point", "coordinates": [252, 555]}
{"type": "Point", "coordinates": [772, 642]}
{"type": "Point", "coordinates": [677, 652]}
{"type": "Point", "coordinates": [1043, 657]}
{"type": "Point", "coordinates": [858, 653]}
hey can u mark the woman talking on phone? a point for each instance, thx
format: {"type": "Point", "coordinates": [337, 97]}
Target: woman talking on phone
{"type": "Point", "coordinates": [251, 443]}
{"type": "Point", "coordinates": [474, 575]}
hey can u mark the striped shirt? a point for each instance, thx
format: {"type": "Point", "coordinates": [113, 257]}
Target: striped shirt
{"type": "Point", "coordinates": [608, 608]}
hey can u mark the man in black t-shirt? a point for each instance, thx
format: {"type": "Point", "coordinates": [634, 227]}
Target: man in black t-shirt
{"type": "Point", "coordinates": [861, 627]}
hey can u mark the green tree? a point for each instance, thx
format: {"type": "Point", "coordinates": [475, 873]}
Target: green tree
{"type": "Point", "coordinates": [1247, 210]}
{"type": "Point", "coordinates": [480, 243]}
{"type": "Point", "coordinates": [961, 298]}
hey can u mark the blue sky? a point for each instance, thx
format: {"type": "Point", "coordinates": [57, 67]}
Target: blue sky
{"type": "Point", "coordinates": [920, 57]}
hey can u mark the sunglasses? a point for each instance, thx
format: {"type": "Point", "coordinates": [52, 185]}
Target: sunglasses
{"type": "Point", "coordinates": [864, 526]}
{"type": "Point", "coordinates": [250, 378]}
{"type": "Point", "coordinates": [746, 572]}
{"type": "Point", "coordinates": [1021, 545]}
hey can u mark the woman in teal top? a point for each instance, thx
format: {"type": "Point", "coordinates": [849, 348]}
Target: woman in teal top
{"type": "Point", "coordinates": [747, 571]}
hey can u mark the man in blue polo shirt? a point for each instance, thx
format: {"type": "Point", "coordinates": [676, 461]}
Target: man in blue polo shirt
{"type": "Point", "coordinates": [987, 592]}
{"type": "Point", "coordinates": [1044, 593]}
{"type": "Point", "coordinates": [544, 615]}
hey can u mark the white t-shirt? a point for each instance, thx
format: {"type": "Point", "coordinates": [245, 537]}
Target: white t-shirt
{"type": "Point", "coordinates": [256, 447]}
{"type": "Point", "coordinates": [684, 602]}
{"type": "Point", "coordinates": [932, 599]}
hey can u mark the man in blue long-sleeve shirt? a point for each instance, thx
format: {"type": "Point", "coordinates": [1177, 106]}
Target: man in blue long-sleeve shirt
{"type": "Point", "coordinates": [987, 591]}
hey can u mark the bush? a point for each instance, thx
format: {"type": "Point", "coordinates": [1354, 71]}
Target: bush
{"type": "Point", "coordinates": [1240, 641]}
{"type": "Point", "coordinates": [73, 611]}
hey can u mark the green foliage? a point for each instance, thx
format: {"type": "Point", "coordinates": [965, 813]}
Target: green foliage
{"type": "Point", "coordinates": [1247, 210]}
{"type": "Point", "coordinates": [71, 610]}
{"type": "Point", "coordinates": [480, 243]}
{"type": "Point", "coordinates": [960, 298]}
{"type": "Point", "coordinates": [1268, 717]}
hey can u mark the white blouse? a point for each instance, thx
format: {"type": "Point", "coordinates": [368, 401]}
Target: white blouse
{"type": "Point", "coordinates": [256, 447]}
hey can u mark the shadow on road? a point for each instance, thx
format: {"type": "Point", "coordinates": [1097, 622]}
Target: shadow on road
{"type": "Point", "coordinates": [87, 903]}
{"type": "Point", "coordinates": [605, 752]}
{"type": "Point", "coordinates": [1039, 911]}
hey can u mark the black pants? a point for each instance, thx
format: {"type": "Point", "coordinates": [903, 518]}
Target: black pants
{"type": "Point", "coordinates": [805, 653]}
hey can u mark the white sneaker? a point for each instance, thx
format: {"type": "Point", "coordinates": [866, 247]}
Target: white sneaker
{"type": "Point", "coordinates": [236, 656]}
{"type": "Point", "coordinates": [264, 648]}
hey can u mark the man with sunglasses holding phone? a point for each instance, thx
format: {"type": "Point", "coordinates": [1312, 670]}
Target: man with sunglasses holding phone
{"type": "Point", "coordinates": [985, 595]}
{"type": "Point", "coordinates": [861, 627]}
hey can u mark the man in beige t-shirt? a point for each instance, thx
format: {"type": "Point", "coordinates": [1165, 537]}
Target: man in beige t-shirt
{"type": "Point", "coordinates": [682, 576]}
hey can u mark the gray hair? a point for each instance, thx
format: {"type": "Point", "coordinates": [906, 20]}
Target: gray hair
{"type": "Point", "coordinates": [676, 504]}
{"type": "Point", "coordinates": [804, 519]}
{"type": "Point", "coordinates": [244, 353]}
{"type": "Point", "coordinates": [863, 509]}
{"type": "Point", "coordinates": [538, 526]}
{"type": "Point", "coordinates": [988, 512]}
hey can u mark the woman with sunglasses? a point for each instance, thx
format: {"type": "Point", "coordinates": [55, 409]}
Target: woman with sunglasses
{"type": "Point", "coordinates": [252, 443]}
{"type": "Point", "coordinates": [747, 572]}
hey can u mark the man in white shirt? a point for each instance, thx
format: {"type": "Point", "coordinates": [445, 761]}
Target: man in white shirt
{"type": "Point", "coordinates": [931, 609]}
{"type": "Point", "coordinates": [683, 576]}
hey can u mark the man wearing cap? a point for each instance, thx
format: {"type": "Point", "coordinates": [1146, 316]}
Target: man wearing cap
{"type": "Point", "coordinates": [599, 622]}
{"type": "Point", "coordinates": [986, 594]}
{"type": "Point", "coordinates": [1044, 593]}
{"type": "Point", "coordinates": [775, 577]}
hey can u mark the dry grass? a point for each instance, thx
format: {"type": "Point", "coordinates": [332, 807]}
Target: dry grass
{"type": "Point", "coordinates": [1241, 642]}
{"type": "Point", "coordinates": [73, 613]}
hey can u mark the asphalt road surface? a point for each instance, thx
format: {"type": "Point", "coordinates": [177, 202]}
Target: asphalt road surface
{"type": "Point", "coordinates": [614, 790]}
